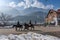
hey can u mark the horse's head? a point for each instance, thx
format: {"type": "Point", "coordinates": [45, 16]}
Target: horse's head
{"type": "Point", "coordinates": [13, 26]}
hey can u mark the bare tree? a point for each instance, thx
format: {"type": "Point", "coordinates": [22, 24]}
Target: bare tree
{"type": "Point", "coordinates": [4, 18]}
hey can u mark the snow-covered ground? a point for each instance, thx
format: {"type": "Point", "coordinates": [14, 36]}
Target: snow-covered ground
{"type": "Point", "coordinates": [28, 36]}
{"type": "Point", "coordinates": [6, 27]}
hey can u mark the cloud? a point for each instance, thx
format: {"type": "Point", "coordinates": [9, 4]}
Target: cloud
{"type": "Point", "coordinates": [49, 7]}
{"type": "Point", "coordinates": [38, 4]}
{"type": "Point", "coordinates": [31, 3]}
{"type": "Point", "coordinates": [41, 5]}
{"type": "Point", "coordinates": [20, 4]}
{"type": "Point", "coordinates": [12, 4]}
{"type": "Point", "coordinates": [27, 3]}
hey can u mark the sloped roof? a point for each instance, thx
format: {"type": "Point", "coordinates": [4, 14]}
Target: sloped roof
{"type": "Point", "coordinates": [51, 10]}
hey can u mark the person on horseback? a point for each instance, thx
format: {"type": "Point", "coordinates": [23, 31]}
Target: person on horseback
{"type": "Point", "coordinates": [30, 22]}
{"type": "Point", "coordinates": [31, 25]}
{"type": "Point", "coordinates": [18, 23]}
{"type": "Point", "coordinates": [26, 26]}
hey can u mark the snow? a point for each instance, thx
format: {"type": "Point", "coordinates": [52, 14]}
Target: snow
{"type": "Point", "coordinates": [6, 27]}
{"type": "Point", "coordinates": [28, 36]}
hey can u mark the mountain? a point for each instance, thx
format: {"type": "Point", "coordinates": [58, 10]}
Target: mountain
{"type": "Point", "coordinates": [32, 13]}
{"type": "Point", "coordinates": [16, 12]}
{"type": "Point", "coordinates": [34, 9]}
{"type": "Point", "coordinates": [38, 16]}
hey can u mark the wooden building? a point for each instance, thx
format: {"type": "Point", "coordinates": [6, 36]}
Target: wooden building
{"type": "Point", "coordinates": [51, 17]}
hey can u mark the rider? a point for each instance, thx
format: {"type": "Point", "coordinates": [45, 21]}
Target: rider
{"type": "Point", "coordinates": [18, 23]}
{"type": "Point", "coordinates": [30, 22]}
{"type": "Point", "coordinates": [26, 26]}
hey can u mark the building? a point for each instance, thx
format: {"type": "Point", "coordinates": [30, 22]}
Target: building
{"type": "Point", "coordinates": [51, 17]}
{"type": "Point", "coordinates": [58, 16]}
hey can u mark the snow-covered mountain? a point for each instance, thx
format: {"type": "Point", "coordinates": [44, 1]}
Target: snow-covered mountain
{"type": "Point", "coordinates": [32, 13]}
{"type": "Point", "coordinates": [38, 16]}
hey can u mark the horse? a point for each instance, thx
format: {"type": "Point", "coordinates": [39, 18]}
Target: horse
{"type": "Point", "coordinates": [18, 26]}
{"type": "Point", "coordinates": [31, 26]}
{"type": "Point", "coordinates": [27, 26]}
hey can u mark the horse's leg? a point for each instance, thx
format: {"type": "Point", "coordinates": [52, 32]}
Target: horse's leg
{"type": "Point", "coordinates": [24, 28]}
{"type": "Point", "coordinates": [33, 28]}
{"type": "Point", "coordinates": [27, 28]}
{"type": "Point", "coordinates": [19, 28]}
{"type": "Point", "coordinates": [30, 28]}
{"type": "Point", "coordinates": [16, 28]}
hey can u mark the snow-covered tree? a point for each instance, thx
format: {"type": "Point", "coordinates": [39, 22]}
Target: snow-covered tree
{"type": "Point", "coordinates": [4, 18]}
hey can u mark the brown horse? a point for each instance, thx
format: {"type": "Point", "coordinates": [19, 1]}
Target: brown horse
{"type": "Point", "coordinates": [27, 26]}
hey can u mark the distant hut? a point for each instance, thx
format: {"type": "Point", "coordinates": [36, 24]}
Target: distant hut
{"type": "Point", "coordinates": [58, 16]}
